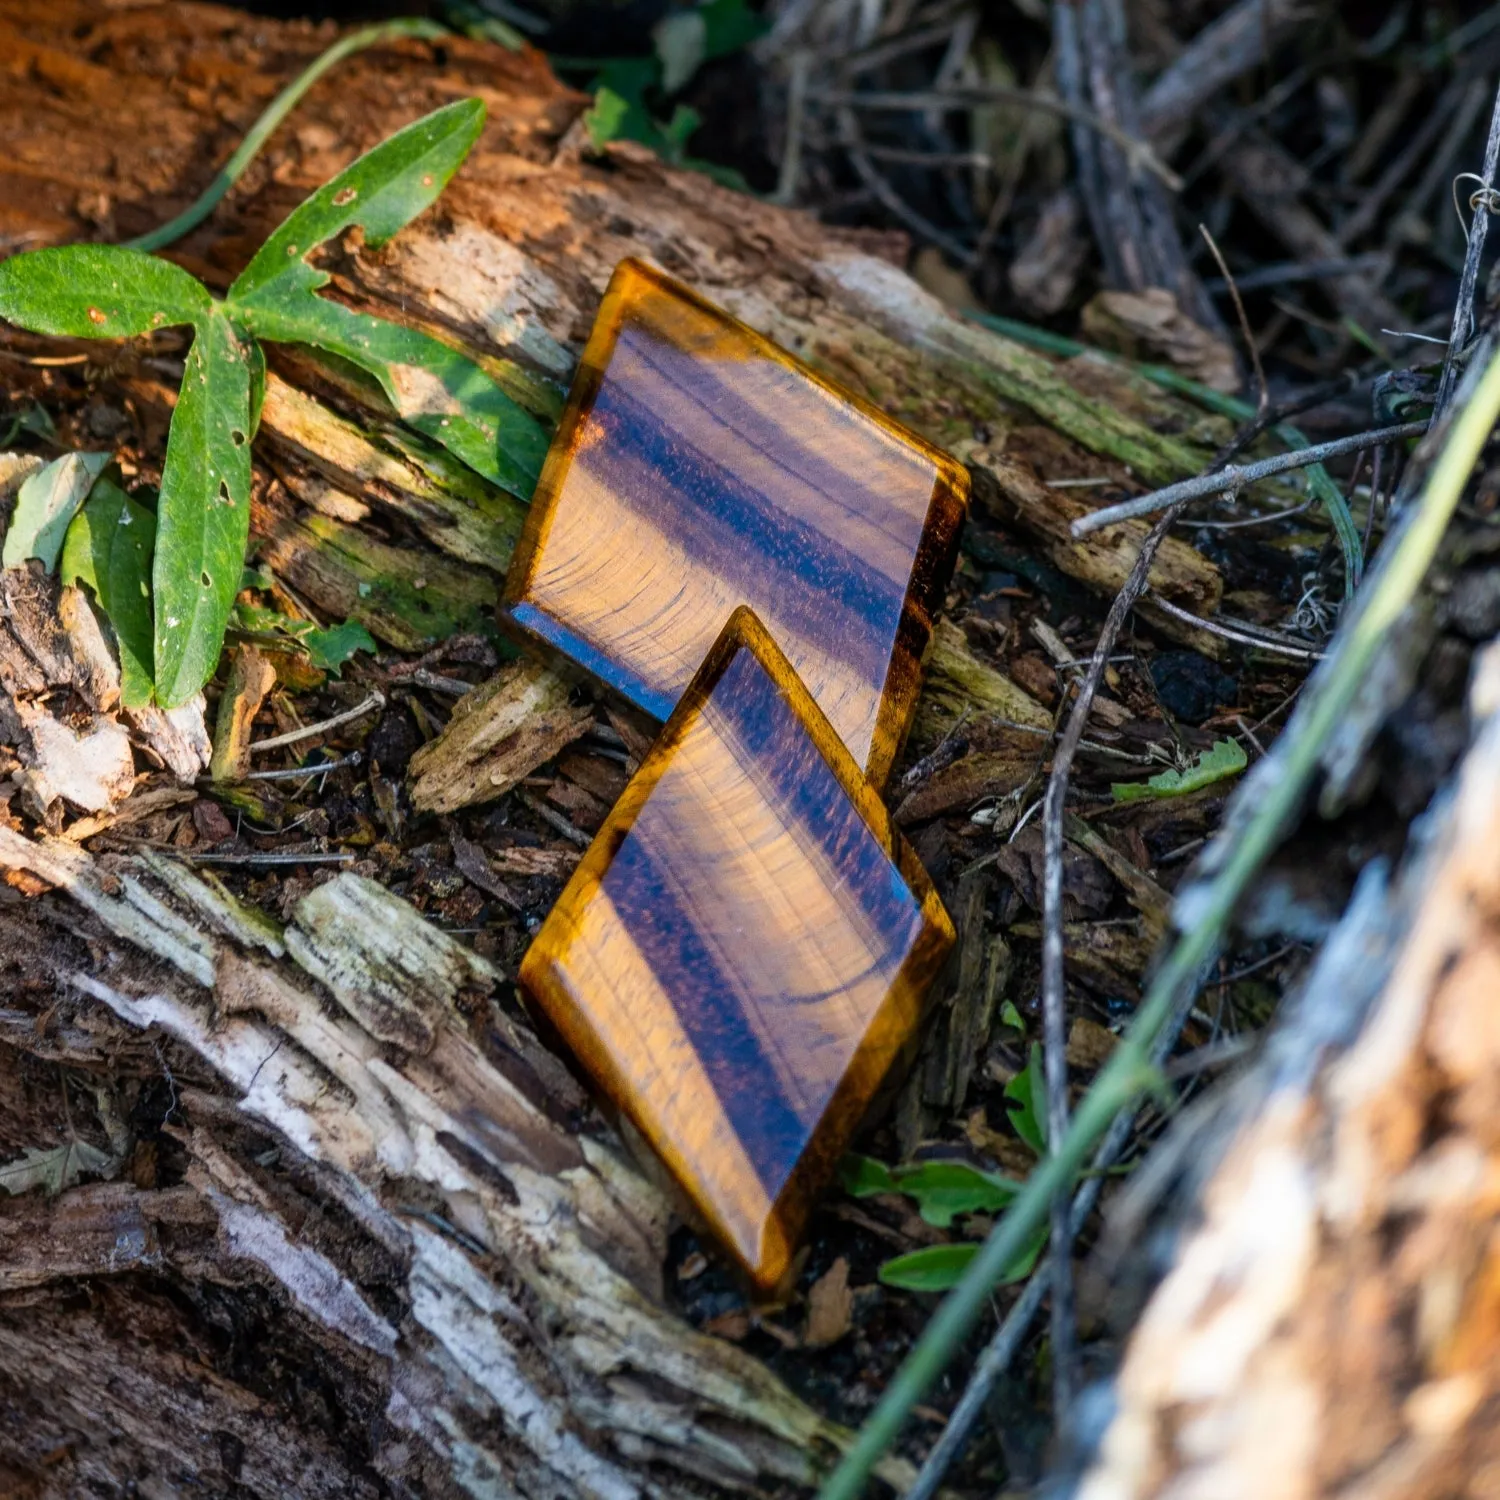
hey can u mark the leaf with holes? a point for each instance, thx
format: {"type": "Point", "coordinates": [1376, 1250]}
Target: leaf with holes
{"type": "Point", "coordinates": [433, 387]}
{"type": "Point", "coordinates": [203, 515]}
{"type": "Point", "coordinates": [98, 292]}
{"type": "Point", "coordinates": [108, 549]}
{"type": "Point", "coordinates": [46, 505]}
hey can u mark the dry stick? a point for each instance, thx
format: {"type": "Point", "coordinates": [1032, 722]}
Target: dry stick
{"type": "Point", "coordinates": [854, 144]}
{"type": "Point", "coordinates": [1242, 637]}
{"type": "Point", "coordinates": [1237, 476]}
{"type": "Point", "coordinates": [1263, 401]}
{"type": "Point", "coordinates": [292, 736]}
{"type": "Point", "coordinates": [1067, 51]}
{"type": "Point", "coordinates": [796, 110]}
{"type": "Point", "coordinates": [1463, 309]}
{"type": "Point", "coordinates": [967, 96]}
{"type": "Point", "coordinates": [1011, 1333]}
{"type": "Point", "coordinates": [1054, 995]}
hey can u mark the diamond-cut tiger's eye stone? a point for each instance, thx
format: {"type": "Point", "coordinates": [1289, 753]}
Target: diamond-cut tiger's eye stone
{"type": "Point", "coordinates": [699, 467]}
{"type": "Point", "coordinates": [743, 951]}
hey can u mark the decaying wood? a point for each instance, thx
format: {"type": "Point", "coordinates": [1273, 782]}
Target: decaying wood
{"type": "Point", "coordinates": [382, 1184]}
{"type": "Point", "coordinates": [518, 1330]}
{"type": "Point", "coordinates": [498, 735]}
{"type": "Point", "coordinates": [1330, 1326]}
{"type": "Point", "coordinates": [250, 678]}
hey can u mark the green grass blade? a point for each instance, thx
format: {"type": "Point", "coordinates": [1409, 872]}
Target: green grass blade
{"type": "Point", "coordinates": [109, 548]}
{"type": "Point", "coordinates": [98, 292]}
{"type": "Point", "coordinates": [203, 516]}
{"type": "Point", "coordinates": [382, 192]}
{"type": "Point", "coordinates": [278, 109]}
{"type": "Point", "coordinates": [1270, 806]}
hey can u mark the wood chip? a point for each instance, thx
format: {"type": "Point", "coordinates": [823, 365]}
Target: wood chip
{"type": "Point", "coordinates": [830, 1306]}
{"type": "Point", "coordinates": [251, 678]}
{"type": "Point", "coordinates": [498, 735]}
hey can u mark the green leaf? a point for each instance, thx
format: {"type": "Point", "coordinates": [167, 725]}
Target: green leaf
{"type": "Point", "coordinates": [46, 504]}
{"type": "Point", "coordinates": [1226, 758]}
{"type": "Point", "coordinates": [1026, 1101]}
{"type": "Point", "coordinates": [109, 548]}
{"type": "Point", "coordinates": [675, 133]}
{"type": "Point", "coordinates": [1010, 1016]}
{"type": "Point", "coordinates": [257, 381]}
{"type": "Point", "coordinates": [433, 387]}
{"type": "Point", "coordinates": [605, 119]}
{"type": "Point", "coordinates": [939, 1268]}
{"type": "Point", "coordinates": [203, 515]}
{"type": "Point", "coordinates": [729, 25]}
{"type": "Point", "coordinates": [943, 1189]}
{"type": "Point", "coordinates": [382, 192]}
{"type": "Point", "coordinates": [98, 292]}
{"type": "Point", "coordinates": [864, 1177]}
{"type": "Point", "coordinates": [329, 649]}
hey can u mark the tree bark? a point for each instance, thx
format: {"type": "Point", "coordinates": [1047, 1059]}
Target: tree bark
{"type": "Point", "coordinates": [365, 1235]}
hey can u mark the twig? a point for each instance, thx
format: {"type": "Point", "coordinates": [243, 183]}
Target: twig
{"type": "Point", "coordinates": [1280, 783]}
{"type": "Point", "coordinates": [1236, 476]}
{"type": "Point", "coordinates": [292, 736]}
{"type": "Point", "coordinates": [266, 859]}
{"type": "Point", "coordinates": [278, 109]}
{"type": "Point", "coordinates": [966, 96]}
{"type": "Point", "coordinates": [1006, 1343]}
{"type": "Point", "coordinates": [1463, 308]}
{"type": "Point", "coordinates": [854, 144]}
{"type": "Point", "coordinates": [305, 773]}
{"type": "Point", "coordinates": [1284, 272]}
{"type": "Point", "coordinates": [1243, 637]}
{"type": "Point", "coordinates": [796, 111]}
{"type": "Point", "coordinates": [554, 819]}
{"type": "Point", "coordinates": [1054, 992]}
{"type": "Point", "coordinates": [1263, 400]}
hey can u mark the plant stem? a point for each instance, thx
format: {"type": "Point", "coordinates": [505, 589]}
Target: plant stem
{"type": "Point", "coordinates": [1273, 798]}
{"type": "Point", "coordinates": [278, 109]}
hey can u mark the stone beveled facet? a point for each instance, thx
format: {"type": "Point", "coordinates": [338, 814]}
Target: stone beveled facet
{"type": "Point", "coordinates": [743, 951]}
{"type": "Point", "coordinates": [699, 467]}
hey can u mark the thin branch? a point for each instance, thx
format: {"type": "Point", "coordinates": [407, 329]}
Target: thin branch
{"type": "Point", "coordinates": [1234, 477]}
{"type": "Point", "coordinates": [1054, 986]}
{"type": "Point", "coordinates": [853, 142]}
{"type": "Point", "coordinates": [1006, 1343]}
{"type": "Point", "coordinates": [1242, 849]}
{"type": "Point", "coordinates": [1263, 402]}
{"type": "Point", "coordinates": [1463, 309]}
{"type": "Point", "coordinates": [1242, 637]}
{"type": "Point", "coordinates": [1137, 152]}
{"type": "Point", "coordinates": [292, 736]}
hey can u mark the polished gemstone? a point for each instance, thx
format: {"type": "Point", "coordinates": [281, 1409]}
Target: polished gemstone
{"type": "Point", "coordinates": [743, 951]}
{"type": "Point", "coordinates": [699, 467]}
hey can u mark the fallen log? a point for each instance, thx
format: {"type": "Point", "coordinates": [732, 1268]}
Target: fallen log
{"type": "Point", "coordinates": [364, 1234]}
